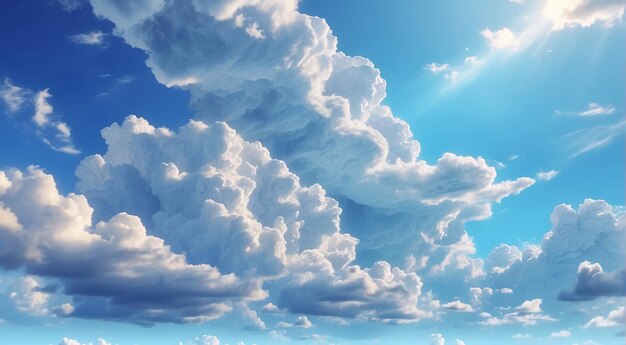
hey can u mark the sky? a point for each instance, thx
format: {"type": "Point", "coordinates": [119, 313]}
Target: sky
{"type": "Point", "coordinates": [312, 172]}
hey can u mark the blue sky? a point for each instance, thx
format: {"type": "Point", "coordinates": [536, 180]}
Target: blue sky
{"type": "Point", "coordinates": [337, 226]}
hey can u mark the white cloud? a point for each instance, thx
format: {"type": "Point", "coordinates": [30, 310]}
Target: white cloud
{"type": "Point", "coordinates": [458, 306]}
{"type": "Point", "coordinates": [547, 175]}
{"type": "Point", "coordinates": [592, 282]}
{"type": "Point", "coordinates": [615, 318]}
{"type": "Point", "coordinates": [500, 39]}
{"type": "Point", "coordinates": [13, 96]}
{"type": "Point", "coordinates": [254, 31]}
{"type": "Point", "coordinates": [28, 298]}
{"type": "Point", "coordinates": [301, 322]}
{"type": "Point", "coordinates": [437, 68]}
{"type": "Point", "coordinates": [125, 264]}
{"type": "Point", "coordinates": [561, 334]}
{"type": "Point", "coordinates": [459, 342]}
{"type": "Point", "coordinates": [506, 291]}
{"type": "Point", "coordinates": [438, 339]}
{"type": "Point", "coordinates": [323, 113]}
{"type": "Point", "coordinates": [532, 306]}
{"type": "Point", "coordinates": [521, 336]}
{"type": "Point", "coordinates": [55, 133]}
{"type": "Point", "coordinates": [91, 38]}
{"type": "Point", "coordinates": [595, 109]}
{"type": "Point", "coordinates": [569, 13]}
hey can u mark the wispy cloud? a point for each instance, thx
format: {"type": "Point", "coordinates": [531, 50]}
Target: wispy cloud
{"type": "Point", "coordinates": [547, 175]}
{"type": "Point", "coordinates": [589, 139]}
{"type": "Point", "coordinates": [56, 134]}
{"type": "Point", "coordinates": [92, 38]}
{"type": "Point", "coordinates": [595, 109]}
{"type": "Point", "coordinates": [13, 96]}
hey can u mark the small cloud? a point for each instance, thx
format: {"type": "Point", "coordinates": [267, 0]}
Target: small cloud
{"type": "Point", "coordinates": [531, 306]}
{"type": "Point", "coordinates": [301, 322]}
{"type": "Point", "coordinates": [547, 175]}
{"type": "Point", "coordinates": [54, 133]}
{"type": "Point", "coordinates": [71, 5]}
{"type": "Point", "coordinates": [615, 318]}
{"type": "Point", "coordinates": [254, 31]}
{"type": "Point", "coordinates": [13, 96]}
{"type": "Point", "coordinates": [561, 334]}
{"type": "Point", "coordinates": [437, 68]}
{"type": "Point", "coordinates": [506, 291]}
{"type": "Point", "coordinates": [458, 306]}
{"type": "Point", "coordinates": [595, 109]}
{"type": "Point", "coordinates": [92, 38]}
{"type": "Point", "coordinates": [501, 39]}
{"type": "Point", "coordinates": [521, 336]}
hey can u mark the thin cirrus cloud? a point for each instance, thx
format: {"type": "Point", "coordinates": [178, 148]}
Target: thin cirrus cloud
{"type": "Point", "coordinates": [91, 38]}
{"type": "Point", "coordinates": [53, 132]}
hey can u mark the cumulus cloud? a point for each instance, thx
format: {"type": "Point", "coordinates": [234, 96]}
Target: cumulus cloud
{"type": "Point", "coordinates": [438, 339]}
{"type": "Point", "coordinates": [112, 270]}
{"type": "Point", "coordinates": [569, 13]}
{"type": "Point", "coordinates": [55, 133]}
{"type": "Point", "coordinates": [28, 298]}
{"type": "Point", "coordinates": [91, 38]}
{"type": "Point", "coordinates": [593, 233]}
{"type": "Point", "coordinates": [561, 334]}
{"type": "Point", "coordinates": [301, 322]}
{"type": "Point", "coordinates": [592, 282]}
{"type": "Point", "coordinates": [500, 39]}
{"type": "Point", "coordinates": [615, 318]}
{"type": "Point", "coordinates": [225, 202]}
{"type": "Point", "coordinates": [458, 306]}
{"type": "Point", "coordinates": [13, 96]}
{"type": "Point", "coordinates": [321, 112]}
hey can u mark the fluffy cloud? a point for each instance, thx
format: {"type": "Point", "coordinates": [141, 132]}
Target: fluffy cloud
{"type": "Point", "coordinates": [301, 322]}
{"type": "Point", "coordinates": [568, 13]}
{"type": "Point", "coordinates": [112, 270]}
{"type": "Point", "coordinates": [225, 202]}
{"type": "Point", "coordinates": [438, 339]}
{"type": "Point", "coordinates": [321, 112]}
{"type": "Point", "coordinates": [92, 38]}
{"type": "Point", "coordinates": [527, 314]}
{"type": "Point", "coordinates": [615, 318]}
{"type": "Point", "coordinates": [594, 233]}
{"type": "Point", "coordinates": [561, 334]}
{"type": "Point", "coordinates": [13, 96]}
{"type": "Point", "coordinates": [500, 39]}
{"type": "Point", "coordinates": [593, 282]}
{"type": "Point", "coordinates": [458, 306]}
{"type": "Point", "coordinates": [99, 341]}
{"type": "Point", "coordinates": [28, 297]}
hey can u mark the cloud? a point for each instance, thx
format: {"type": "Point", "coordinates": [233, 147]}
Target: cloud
{"type": "Point", "coordinates": [13, 96]}
{"type": "Point", "coordinates": [28, 298]}
{"type": "Point", "coordinates": [112, 270]}
{"type": "Point", "coordinates": [91, 38]}
{"type": "Point", "coordinates": [69, 341]}
{"type": "Point", "coordinates": [521, 336]}
{"type": "Point", "coordinates": [593, 138]}
{"type": "Point", "coordinates": [458, 306]}
{"type": "Point", "coordinates": [561, 334]}
{"type": "Point", "coordinates": [301, 322]}
{"type": "Point", "coordinates": [595, 109]}
{"type": "Point", "coordinates": [55, 133]}
{"type": "Point", "coordinates": [547, 175]}
{"type": "Point", "coordinates": [500, 39]}
{"type": "Point", "coordinates": [71, 5]}
{"type": "Point", "coordinates": [225, 202]}
{"type": "Point", "coordinates": [438, 339]}
{"type": "Point", "coordinates": [322, 113]}
{"type": "Point", "coordinates": [533, 306]}
{"type": "Point", "coordinates": [595, 232]}
{"type": "Point", "coordinates": [615, 318]}
{"type": "Point", "coordinates": [584, 13]}
{"type": "Point", "coordinates": [592, 282]}
{"type": "Point", "coordinates": [437, 68]}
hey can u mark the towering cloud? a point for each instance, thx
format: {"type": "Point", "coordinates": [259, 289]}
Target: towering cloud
{"type": "Point", "coordinates": [275, 75]}
{"type": "Point", "coordinates": [225, 202]}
